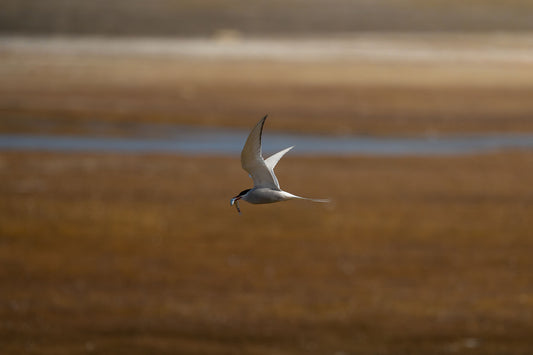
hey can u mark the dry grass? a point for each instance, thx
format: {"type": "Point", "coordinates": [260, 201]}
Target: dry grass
{"type": "Point", "coordinates": [64, 93]}
{"type": "Point", "coordinates": [143, 254]}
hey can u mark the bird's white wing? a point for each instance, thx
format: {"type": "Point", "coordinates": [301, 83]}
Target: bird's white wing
{"type": "Point", "coordinates": [252, 160]}
{"type": "Point", "coordinates": [272, 160]}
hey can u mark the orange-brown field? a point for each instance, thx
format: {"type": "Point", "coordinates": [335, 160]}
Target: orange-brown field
{"type": "Point", "coordinates": [138, 254]}
{"type": "Point", "coordinates": [64, 91]}
{"type": "Point", "coordinates": [142, 254]}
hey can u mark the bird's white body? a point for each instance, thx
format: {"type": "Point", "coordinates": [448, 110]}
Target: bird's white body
{"type": "Point", "coordinates": [266, 186]}
{"type": "Point", "coordinates": [260, 195]}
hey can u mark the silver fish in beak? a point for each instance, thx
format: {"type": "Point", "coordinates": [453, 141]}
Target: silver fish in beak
{"type": "Point", "coordinates": [235, 201]}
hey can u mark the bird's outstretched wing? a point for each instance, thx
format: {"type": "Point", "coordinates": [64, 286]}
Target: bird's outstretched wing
{"type": "Point", "coordinates": [252, 160]}
{"type": "Point", "coordinates": [272, 160]}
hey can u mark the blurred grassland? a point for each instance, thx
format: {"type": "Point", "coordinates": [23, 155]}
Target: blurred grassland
{"type": "Point", "coordinates": [65, 92]}
{"type": "Point", "coordinates": [137, 254]}
{"type": "Point", "coordinates": [140, 254]}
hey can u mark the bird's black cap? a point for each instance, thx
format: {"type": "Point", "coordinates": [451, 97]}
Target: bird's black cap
{"type": "Point", "coordinates": [243, 192]}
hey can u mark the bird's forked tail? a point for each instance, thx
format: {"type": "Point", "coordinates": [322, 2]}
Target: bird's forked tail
{"type": "Point", "coordinates": [291, 196]}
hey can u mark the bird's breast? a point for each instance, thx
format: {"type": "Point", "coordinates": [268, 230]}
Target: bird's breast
{"type": "Point", "coordinates": [265, 195]}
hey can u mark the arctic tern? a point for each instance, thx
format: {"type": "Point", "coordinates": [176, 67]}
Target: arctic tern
{"type": "Point", "coordinates": [266, 186]}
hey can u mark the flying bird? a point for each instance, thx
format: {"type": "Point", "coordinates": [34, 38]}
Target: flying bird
{"type": "Point", "coordinates": [266, 186]}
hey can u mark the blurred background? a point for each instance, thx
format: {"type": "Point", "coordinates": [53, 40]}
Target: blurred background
{"type": "Point", "coordinates": [111, 251]}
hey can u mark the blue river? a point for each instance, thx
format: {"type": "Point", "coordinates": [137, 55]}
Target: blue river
{"type": "Point", "coordinates": [204, 141]}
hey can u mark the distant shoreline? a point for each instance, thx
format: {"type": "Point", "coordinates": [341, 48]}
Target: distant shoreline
{"type": "Point", "coordinates": [409, 47]}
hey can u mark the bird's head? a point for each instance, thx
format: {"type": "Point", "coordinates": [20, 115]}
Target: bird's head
{"type": "Point", "coordinates": [239, 196]}
{"type": "Point", "coordinates": [236, 199]}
